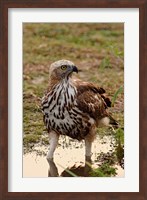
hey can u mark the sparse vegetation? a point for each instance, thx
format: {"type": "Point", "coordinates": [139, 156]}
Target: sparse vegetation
{"type": "Point", "coordinates": [105, 170]}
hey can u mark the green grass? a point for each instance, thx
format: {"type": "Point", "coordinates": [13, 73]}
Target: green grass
{"type": "Point", "coordinates": [97, 49]}
{"type": "Point", "coordinates": [49, 42]}
{"type": "Point", "coordinates": [105, 170]}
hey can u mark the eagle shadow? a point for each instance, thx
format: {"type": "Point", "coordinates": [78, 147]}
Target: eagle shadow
{"type": "Point", "coordinates": [74, 171]}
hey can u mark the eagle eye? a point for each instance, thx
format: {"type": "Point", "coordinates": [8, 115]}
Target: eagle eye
{"type": "Point", "coordinates": [63, 67]}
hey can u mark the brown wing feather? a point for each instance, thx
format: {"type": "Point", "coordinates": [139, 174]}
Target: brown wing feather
{"type": "Point", "coordinates": [91, 99]}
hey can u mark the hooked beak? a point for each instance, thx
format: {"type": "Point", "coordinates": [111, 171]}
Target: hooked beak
{"type": "Point", "coordinates": [75, 69]}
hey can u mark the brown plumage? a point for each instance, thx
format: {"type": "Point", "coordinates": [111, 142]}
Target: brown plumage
{"type": "Point", "coordinates": [72, 107]}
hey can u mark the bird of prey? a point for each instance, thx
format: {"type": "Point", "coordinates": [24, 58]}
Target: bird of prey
{"type": "Point", "coordinates": [73, 107]}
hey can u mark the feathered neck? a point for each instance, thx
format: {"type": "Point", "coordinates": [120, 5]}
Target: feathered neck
{"type": "Point", "coordinates": [55, 81]}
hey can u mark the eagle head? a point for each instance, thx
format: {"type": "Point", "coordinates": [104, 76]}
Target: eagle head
{"type": "Point", "coordinates": [62, 69]}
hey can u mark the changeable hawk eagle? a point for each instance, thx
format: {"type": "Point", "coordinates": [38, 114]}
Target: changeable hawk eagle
{"type": "Point", "coordinates": [72, 107]}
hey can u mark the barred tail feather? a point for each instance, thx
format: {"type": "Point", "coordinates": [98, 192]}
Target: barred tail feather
{"type": "Point", "coordinates": [108, 121]}
{"type": "Point", "coordinates": [113, 122]}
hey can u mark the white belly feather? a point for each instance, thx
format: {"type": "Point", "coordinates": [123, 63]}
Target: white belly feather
{"type": "Point", "coordinates": [61, 111]}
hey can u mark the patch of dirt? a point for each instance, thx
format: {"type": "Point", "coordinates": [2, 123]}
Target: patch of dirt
{"type": "Point", "coordinates": [69, 153]}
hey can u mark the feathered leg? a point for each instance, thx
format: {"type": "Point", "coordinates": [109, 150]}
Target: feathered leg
{"type": "Point", "coordinates": [53, 139]}
{"type": "Point", "coordinates": [88, 145]}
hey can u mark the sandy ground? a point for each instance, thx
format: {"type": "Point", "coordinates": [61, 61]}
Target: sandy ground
{"type": "Point", "coordinates": [66, 156]}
